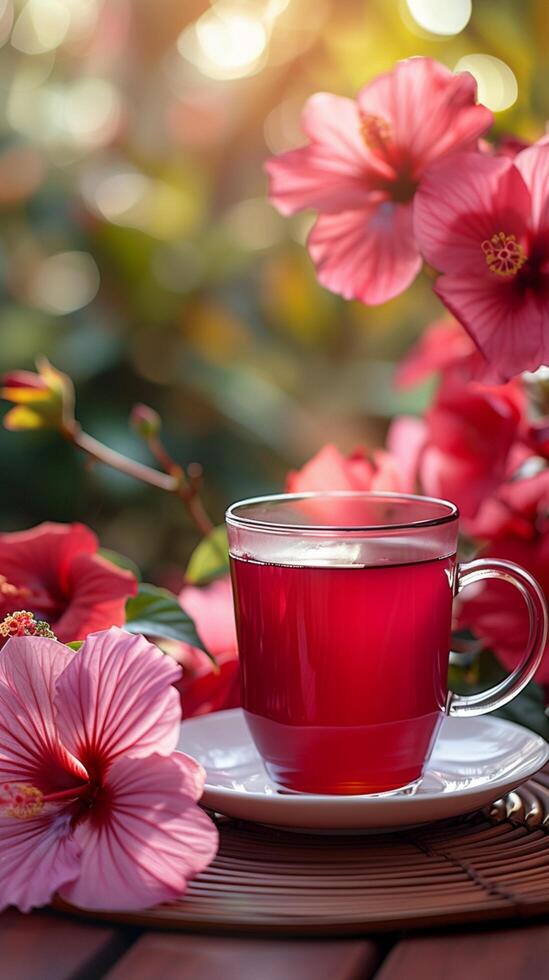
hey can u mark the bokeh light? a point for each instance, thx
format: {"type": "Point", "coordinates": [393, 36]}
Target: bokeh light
{"type": "Point", "coordinates": [64, 283]}
{"type": "Point", "coordinates": [228, 41]}
{"type": "Point", "coordinates": [41, 26]}
{"type": "Point", "coordinates": [444, 17]}
{"type": "Point", "coordinates": [496, 82]}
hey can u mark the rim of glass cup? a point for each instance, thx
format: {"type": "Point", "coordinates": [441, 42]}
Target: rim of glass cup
{"type": "Point", "coordinates": [254, 524]}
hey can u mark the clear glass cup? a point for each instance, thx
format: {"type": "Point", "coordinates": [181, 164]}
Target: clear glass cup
{"type": "Point", "coordinates": [343, 608]}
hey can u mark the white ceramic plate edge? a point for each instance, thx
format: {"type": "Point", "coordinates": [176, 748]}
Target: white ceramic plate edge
{"type": "Point", "coordinates": [363, 812]}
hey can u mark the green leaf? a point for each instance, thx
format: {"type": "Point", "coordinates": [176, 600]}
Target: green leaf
{"type": "Point", "coordinates": [121, 561]}
{"type": "Point", "coordinates": [74, 644]}
{"type": "Point", "coordinates": [156, 612]}
{"type": "Point", "coordinates": [210, 559]}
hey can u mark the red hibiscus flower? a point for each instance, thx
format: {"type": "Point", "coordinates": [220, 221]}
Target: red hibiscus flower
{"type": "Point", "coordinates": [447, 349]}
{"type": "Point", "coordinates": [203, 687]}
{"type": "Point", "coordinates": [362, 167]}
{"type": "Point", "coordinates": [519, 522]}
{"type": "Point", "coordinates": [484, 223]}
{"type": "Point", "coordinates": [468, 444]}
{"type": "Point", "coordinates": [471, 431]}
{"type": "Point", "coordinates": [54, 571]}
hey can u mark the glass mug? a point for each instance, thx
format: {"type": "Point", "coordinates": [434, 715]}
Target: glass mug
{"type": "Point", "coordinates": [343, 609]}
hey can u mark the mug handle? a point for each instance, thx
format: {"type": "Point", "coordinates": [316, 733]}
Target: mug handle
{"type": "Point", "coordinates": [509, 687]}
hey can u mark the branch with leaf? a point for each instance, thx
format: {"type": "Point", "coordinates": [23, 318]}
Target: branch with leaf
{"type": "Point", "coordinates": [45, 399]}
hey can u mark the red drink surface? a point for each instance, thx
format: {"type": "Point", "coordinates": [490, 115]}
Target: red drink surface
{"type": "Point", "coordinates": [344, 669]}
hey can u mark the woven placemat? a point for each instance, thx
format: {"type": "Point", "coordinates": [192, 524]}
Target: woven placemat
{"type": "Point", "coordinates": [490, 865]}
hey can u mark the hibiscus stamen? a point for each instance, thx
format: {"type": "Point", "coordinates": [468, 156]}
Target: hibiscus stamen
{"type": "Point", "coordinates": [504, 255]}
{"type": "Point", "coordinates": [376, 132]}
{"type": "Point", "coordinates": [21, 801]}
{"type": "Point", "coordinates": [23, 623]}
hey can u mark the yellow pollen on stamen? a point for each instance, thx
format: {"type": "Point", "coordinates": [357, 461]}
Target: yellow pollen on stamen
{"type": "Point", "coordinates": [21, 801]}
{"type": "Point", "coordinates": [504, 255]}
{"type": "Point", "coordinates": [376, 131]}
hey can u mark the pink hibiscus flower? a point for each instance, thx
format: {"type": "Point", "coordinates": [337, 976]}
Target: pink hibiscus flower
{"type": "Point", "coordinates": [362, 168]}
{"type": "Point", "coordinates": [378, 471]}
{"type": "Point", "coordinates": [484, 223]}
{"type": "Point", "coordinates": [95, 803]}
{"type": "Point", "coordinates": [54, 571]}
{"type": "Point", "coordinates": [203, 687]}
{"type": "Point", "coordinates": [330, 469]}
{"type": "Point", "coordinates": [519, 523]}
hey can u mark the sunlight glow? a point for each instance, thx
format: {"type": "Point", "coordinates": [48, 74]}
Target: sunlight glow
{"type": "Point", "coordinates": [43, 25]}
{"type": "Point", "coordinates": [227, 42]}
{"type": "Point", "coordinates": [497, 85]}
{"type": "Point", "coordinates": [444, 17]}
{"type": "Point", "coordinates": [91, 111]}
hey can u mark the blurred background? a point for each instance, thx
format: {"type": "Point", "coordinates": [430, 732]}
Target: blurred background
{"type": "Point", "coordinates": [139, 253]}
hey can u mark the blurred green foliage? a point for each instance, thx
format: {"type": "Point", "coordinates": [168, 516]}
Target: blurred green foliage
{"type": "Point", "coordinates": [140, 255]}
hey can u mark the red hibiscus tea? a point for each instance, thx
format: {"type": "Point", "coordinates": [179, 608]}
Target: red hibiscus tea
{"type": "Point", "coordinates": [321, 651]}
{"type": "Point", "coordinates": [343, 607]}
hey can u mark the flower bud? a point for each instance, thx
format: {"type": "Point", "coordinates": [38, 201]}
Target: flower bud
{"type": "Point", "coordinates": [42, 400]}
{"type": "Point", "coordinates": [145, 421]}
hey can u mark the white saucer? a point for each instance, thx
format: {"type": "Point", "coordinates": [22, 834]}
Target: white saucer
{"type": "Point", "coordinates": [475, 761]}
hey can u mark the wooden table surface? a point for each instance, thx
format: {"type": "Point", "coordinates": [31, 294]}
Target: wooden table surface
{"type": "Point", "coordinates": [45, 946]}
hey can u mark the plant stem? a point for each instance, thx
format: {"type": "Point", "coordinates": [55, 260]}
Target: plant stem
{"type": "Point", "coordinates": [173, 481]}
{"type": "Point", "coordinates": [187, 484]}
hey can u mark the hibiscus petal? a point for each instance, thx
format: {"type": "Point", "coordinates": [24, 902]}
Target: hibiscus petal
{"type": "Point", "coordinates": [98, 592]}
{"type": "Point", "coordinates": [204, 689]}
{"type": "Point", "coordinates": [37, 857]}
{"type": "Point", "coordinates": [116, 696]}
{"type": "Point", "coordinates": [333, 121]}
{"type": "Point", "coordinates": [39, 554]}
{"type": "Point", "coordinates": [30, 749]}
{"type": "Point", "coordinates": [406, 440]}
{"type": "Point", "coordinates": [533, 164]}
{"type": "Point", "coordinates": [330, 469]}
{"type": "Point", "coordinates": [442, 345]}
{"type": "Point", "coordinates": [211, 608]}
{"type": "Point", "coordinates": [506, 325]}
{"type": "Point", "coordinates": [461, 202]}
{"type": "Point", "coordinates": [368, 255]}
{"type": "Point", "coordinates": [37, 561]}
{"type": "Point", "coordinates": [430, 109]}
{"type": "Point", "coordinates": [150, 839]}
{"type": "Point", "coordinates": [330, 175]}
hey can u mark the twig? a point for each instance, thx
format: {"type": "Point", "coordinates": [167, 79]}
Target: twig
{"type": "Point", "coordinates": [174, 480]}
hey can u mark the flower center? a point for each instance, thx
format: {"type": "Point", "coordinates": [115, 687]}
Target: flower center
{"type": "Point", "coordinates": [21, 801]}
{"type": "Point", "coordinates": [23, 623]}
{"type": "Point", "coordinates": [504, 255]}
{"type": "Point", "coordinates": [376, 132]}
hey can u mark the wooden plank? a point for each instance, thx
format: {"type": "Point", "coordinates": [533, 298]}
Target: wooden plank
{"type": "Point", "coordinates": [513, 954]}
{"type": "Point", "coordinates": [172, 957]}
{"type": "Point", "coordinates": [46, 947]}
